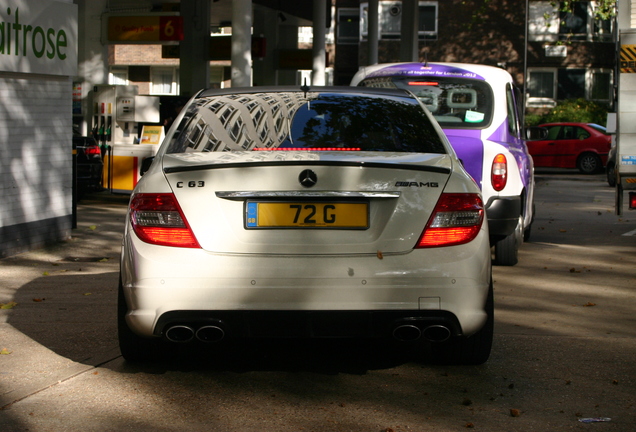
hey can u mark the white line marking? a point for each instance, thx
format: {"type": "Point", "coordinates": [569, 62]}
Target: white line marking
{"type": "Point", "coordinates": [630, 233]}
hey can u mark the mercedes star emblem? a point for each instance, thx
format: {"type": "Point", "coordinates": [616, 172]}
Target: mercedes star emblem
{"type": "Point", "coordinates": [308, 178]}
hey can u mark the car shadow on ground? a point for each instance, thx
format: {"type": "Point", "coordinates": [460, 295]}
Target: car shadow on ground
{"type": "Point", "coordinates": [322, 356]}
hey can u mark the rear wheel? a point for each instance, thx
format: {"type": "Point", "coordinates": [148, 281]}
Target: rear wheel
{"type": "Point", "coordinates": [611, 174]}
{"type": "Point", "coordinates": [133, 348]}
{"type": "Point", "coordinates": [507, 249]}
{"type": "Point", "coordinates": [589, 163]}
{"type": "Point", "coordinates": [473, 350]}
{"type": "Point", "coordinates": [527, 230]}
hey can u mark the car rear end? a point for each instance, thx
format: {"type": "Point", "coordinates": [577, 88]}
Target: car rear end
{"type": "Point", "coordinates": [477, 106]}
{"type": "Point", "coordinates": [323, 226]}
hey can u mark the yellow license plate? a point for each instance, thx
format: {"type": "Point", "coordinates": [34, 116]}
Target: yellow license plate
{"type": "Point", "coordinates": [307, 215]}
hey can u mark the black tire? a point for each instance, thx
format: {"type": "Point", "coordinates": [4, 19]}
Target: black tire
{"type": "Point", "coordinates": [527, 231]}
{"type": "Point", "coordinates": [611, 175]}
{"type": "Point", "coordinates": [473, 350]}
{"type": "Point", "coordinates": [589, 163]}
{"type": "Point", "coordinates": [133, 348]}
{"type": "Point", "coordinates": [507, 251]}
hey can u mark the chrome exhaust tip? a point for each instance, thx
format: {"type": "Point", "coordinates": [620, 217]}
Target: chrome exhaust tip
{"type": "Point", "coordinates": [180, 334]}
{"type": "Point", "coordinates": [407, 333]}
{"type": "Point", "coordinates": [210, 334]}
{"type": "Point", "coordinates": [437, 333]}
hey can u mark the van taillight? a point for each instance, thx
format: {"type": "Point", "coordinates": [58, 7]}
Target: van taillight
{"type": "Point", "coordinates": [456, 220]}
{"type": "Point", "coordinates": [158, 219]}
{"type": "Point", "coordinates": [499, 174]}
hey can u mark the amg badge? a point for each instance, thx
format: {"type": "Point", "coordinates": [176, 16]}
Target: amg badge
{"type": "Point", "coordinates": [416, 184]}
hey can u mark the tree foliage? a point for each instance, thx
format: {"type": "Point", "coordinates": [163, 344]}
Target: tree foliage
{"type": "Point", "coordinates": [605, 9]}
{"type": "Point", "coordinates": [571, 110]}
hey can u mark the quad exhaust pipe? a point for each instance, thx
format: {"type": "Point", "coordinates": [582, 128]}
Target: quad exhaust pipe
{"type": "Point", "coordinates": [210, 334]}
{"type": "Point", "coordinates": [184, 334]}
{"type": "Point", "coordinates": [180, 334]}
{"type": "Point", "coordinates": [432, 333]}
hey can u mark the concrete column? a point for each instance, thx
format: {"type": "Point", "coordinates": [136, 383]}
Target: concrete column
{"type": "Point", "coordinates": [264, 69]}
{"type": "Point", "coordinates": [92, 56]}
{"type": "Point", "coordinates": [287, 39]}
{"type": "Point", "coordinates": [241, 43]}
{"type": "Point", "coordinates": [409, 50]}
{"type": "Point", "coordinates": [194, 57]}
{"type": "Point", "coordinates": [319, 43]}
{"type": "Point", "coordinates": [373, 32]}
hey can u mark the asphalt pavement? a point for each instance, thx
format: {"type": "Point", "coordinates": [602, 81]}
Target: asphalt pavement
{"type": "Point", "coordinates": [49, 330]}
{"type": "Point", "coordinates": [564, 349]}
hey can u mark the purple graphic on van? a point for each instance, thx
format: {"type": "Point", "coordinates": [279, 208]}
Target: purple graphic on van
{"type": "Point", "coordinates": [470, 150]}
{"type": "Point", "coordinates": [424, 70]}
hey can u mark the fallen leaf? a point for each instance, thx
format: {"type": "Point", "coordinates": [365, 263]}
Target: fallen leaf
{"type": "Point", "coordinates": [589, 304]}
{"type": "Point", "coordinates": [45, 274]}
{"type": "Point", "coordinates": [87, 294]}
{"type": "Point", "coordinates": [615, 382]}
{"type": "Point", "coordinates": [469, 425]}
{"type": "Point", "coordinates": [5, 351]}
{"type": "Point", "coordinates": [514, 412]}
{"type": "Point", "coordinates": [38, 300]}
{"type": "Point", "coordinates": [562, 230]}
{"type": "Point", "coordinates": [9, 305]}
{"type": "Point", "coordinates": [92, 227]}
{"type": "Point", "coordinates": [103, 260]}
{"type": "Point", "coordinates": [380, 256]}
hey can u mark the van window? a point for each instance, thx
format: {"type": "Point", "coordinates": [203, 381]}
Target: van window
{"type": "Point", "coordinates": [456, 103]}
{"type": "Point", "coordinates": [513, 118]}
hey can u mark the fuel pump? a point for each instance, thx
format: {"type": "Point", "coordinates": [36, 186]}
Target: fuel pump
{"type": "Point", "coordinates": [118, 111]}
{"type": "Point", "coordinates": [626, 121]}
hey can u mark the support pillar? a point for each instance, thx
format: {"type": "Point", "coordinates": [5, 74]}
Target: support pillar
{"type": "Point", "coordinates": [241, 70]}
{"type": "Point", "coordinates": [264, 69]}
{"type": "Point", "coordinates": [194, 57]}
{"type": "Point", "coordinates": [319, 50]}
{"type": "Point", "coordinates": [373, 32]}
{"type": "Point", "coordinates": [409, 49]}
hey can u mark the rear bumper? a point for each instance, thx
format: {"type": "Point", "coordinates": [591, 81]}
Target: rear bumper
{"type": "Point", "coordinates": [314, 296]}
{"type": "Point", "coordinates": [503, 216]}
{"type": "Point", "coordinates": [309, 324]}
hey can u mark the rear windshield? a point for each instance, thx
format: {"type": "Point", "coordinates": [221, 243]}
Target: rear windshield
{"type": "Point", "coordinates": [454, 102]}
{"type": "Point", "coordinates": [299, 121]}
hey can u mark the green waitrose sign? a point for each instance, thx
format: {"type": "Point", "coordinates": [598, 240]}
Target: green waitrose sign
{"type": "Point", "coordinates": [38, 36]}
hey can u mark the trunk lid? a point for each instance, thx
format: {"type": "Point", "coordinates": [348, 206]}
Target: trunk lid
{"type": "Point", "coordinates": [219, 194]}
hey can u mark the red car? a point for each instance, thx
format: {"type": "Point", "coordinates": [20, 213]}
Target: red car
{"type": "Point", "coordinates": [571, 145]}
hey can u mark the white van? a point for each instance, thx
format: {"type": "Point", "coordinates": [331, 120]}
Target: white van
{"type": "Point", "coordinates": [478, 108]}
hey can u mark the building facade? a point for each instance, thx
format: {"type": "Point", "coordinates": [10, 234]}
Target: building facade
{"type": "Point", "coordinates": [565, 56]}
{"type": "Point", "coordinates": [38, 59]}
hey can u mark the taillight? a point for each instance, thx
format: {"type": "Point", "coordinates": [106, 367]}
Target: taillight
{"type": "Point", "coordinates": [499, 175]}
{"type": "Point", "coordinates": [92, 151]}
{"type": "Point", "coordinates": [158, 219]}
{"type": "Point", "coordinates": [456, 220]}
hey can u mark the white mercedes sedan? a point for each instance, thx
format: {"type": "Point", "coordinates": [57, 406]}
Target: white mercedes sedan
{"type": "Point", "coordinates": [326, 212]}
